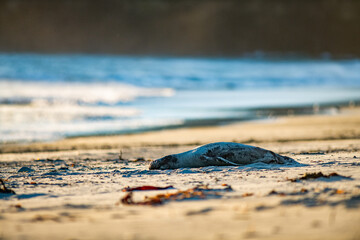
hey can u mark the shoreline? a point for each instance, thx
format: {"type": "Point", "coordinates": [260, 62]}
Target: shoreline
{"type": "Point", "coordinates": [344, 118]}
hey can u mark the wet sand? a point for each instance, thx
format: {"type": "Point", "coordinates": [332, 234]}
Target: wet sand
{"type": "Point", "coordinates": [72, 189]}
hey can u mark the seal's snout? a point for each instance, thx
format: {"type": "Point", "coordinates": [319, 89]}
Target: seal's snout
{"type": "Point", "coordinates": [154, 165]}
{"type": "Point", "coordinates": [167, 162]}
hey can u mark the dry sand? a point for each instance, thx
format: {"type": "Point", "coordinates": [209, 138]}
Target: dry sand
{"type": "Point", "coordinates": [73, 187]}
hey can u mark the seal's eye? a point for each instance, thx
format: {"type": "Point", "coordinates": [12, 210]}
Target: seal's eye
{"type": "Point", "coordinates": [169, 161]}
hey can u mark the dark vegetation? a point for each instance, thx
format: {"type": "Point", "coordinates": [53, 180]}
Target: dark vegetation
{"type": "Point", "coordinates": [186, 27]}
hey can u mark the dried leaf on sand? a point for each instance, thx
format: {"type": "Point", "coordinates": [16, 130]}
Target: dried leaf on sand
{"type": "Point", "coordinates": [282, 194]}
{"type": "Point", "coordinates": [316, 175]}
{"type": "Point", "coordinates": [4, 189]}
{"type": "Point", "coordinates": [199, 192]}
{"type": "Point", "coordinates": [145, 188]}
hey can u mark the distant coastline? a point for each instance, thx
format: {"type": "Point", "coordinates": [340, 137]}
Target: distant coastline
{"type": "Point", "coordinates": [254, 114]}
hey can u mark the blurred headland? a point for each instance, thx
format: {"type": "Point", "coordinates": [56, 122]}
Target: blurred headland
{"type": "Point", "coordinates": [314, 28]}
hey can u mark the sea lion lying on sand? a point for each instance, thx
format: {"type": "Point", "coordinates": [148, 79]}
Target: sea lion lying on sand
{"type": "Point", "coordinates": [220, 154]}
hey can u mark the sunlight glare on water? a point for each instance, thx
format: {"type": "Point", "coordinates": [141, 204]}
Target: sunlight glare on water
{"type": "Point", "coordinates": [47, 97]}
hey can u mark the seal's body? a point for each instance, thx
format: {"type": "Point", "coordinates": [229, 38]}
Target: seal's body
{"type": "Point", "coordinates": [219, 154]}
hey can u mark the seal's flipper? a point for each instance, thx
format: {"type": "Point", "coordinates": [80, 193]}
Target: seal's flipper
{"type": "Point", "coordinates": [227, 161]}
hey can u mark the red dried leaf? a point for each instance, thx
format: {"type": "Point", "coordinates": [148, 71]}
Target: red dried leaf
{"type": "Point", "coordinates": [247, 194]}
{"type": "Point", "coordinates": [145, 188]}
{"type": "Point", "coordinates": [199, 192]}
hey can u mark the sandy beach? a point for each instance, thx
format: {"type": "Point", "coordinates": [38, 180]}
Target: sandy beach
{"type": "Point", "coordinates": [73, 188]}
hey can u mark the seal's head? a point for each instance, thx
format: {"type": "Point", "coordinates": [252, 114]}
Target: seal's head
{"type": "Point", "coordinates": [167, 162]}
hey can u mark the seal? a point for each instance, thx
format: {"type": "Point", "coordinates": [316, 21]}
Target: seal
{"type": "Point", "coordinates": [220, 154]}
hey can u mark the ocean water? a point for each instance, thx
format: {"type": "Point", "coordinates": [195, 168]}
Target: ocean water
{"type": "Point", "coordinates": [49, 97]}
